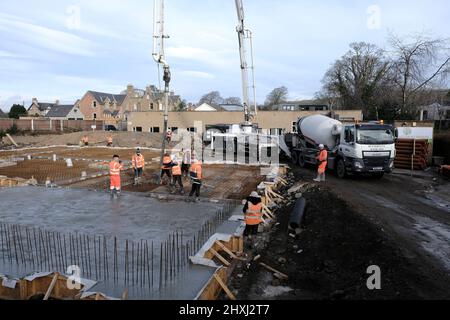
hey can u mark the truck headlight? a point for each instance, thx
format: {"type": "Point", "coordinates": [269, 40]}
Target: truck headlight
{"type": "Point", "coordinates": [359, 164]}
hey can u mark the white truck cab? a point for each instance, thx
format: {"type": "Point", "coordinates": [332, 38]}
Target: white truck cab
{"type": "Point", "coordinates": [364, 148]}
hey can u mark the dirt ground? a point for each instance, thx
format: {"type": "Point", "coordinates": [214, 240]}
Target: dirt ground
{"type": "Point", "coordinates": [350, 225]}
{"type": "Point", "coordinates": [98, 138]}
{"type": "Point", "coordinates": [220, 181]}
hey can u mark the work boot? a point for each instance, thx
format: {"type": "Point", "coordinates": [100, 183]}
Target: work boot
{"type": "Point", "coordinates": [322, 177]}
{"type": "Point", "coordinates": [112, 194]}
{"type": "Point", "coordinates": [118, 194]}
{"type": "Point", "coordinates": [317, 179]}
{"type": "Point", "coordinates": [197, 199]}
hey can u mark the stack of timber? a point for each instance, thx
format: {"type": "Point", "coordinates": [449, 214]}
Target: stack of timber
{"type": "Point", "coordinates": [412, 154]}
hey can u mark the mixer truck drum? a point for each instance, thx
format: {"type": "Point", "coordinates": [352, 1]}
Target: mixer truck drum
{"type": "Point", "coordinates": [297, 214]}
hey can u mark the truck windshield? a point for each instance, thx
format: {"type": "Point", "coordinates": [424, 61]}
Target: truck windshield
{"type": "Point", "coordinates": [375, 136]}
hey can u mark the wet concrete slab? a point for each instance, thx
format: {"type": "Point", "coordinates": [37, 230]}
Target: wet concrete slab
{"type": "Point", "coordinates": [85, 216]}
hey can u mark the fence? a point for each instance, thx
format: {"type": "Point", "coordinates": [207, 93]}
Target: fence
{"type": "Point", "coordinates": [51, 125]}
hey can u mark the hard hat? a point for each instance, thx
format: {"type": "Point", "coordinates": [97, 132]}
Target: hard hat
{"type": "Point", "coordinates": [321, 146]}
{"type": "Point", "coordinates": [138, 150]}
{"type": "Point", "coordinates": [255, 194]}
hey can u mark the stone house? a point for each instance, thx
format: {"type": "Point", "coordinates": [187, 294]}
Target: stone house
{"type": "Point", "coordinates": [40, 109]}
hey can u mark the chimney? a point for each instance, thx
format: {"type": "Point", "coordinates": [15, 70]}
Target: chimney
{"type": "Point", "coordinates": [35, 100]}
{"type": "Point", "coordinates": [130, 89]}
{"type": "Point", "coordinates": [57, 102]}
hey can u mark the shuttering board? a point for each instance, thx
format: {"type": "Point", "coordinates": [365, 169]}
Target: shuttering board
{"type": "Point", "coordinates": [212, 289]}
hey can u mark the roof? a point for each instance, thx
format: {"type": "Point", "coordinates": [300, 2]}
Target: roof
{"type": "Point", "coordinates": [59, 111]}
{"type": "Point", "coordinates": [2, 114]}
{"type": "Point", "coordinates": [205, 107]}
{"type": "Point", "coordinates": [102, 96]}
{"type": "Point", "coordinates": [43, 106]}
{"type": "Point", "coordinates": [232, 107]}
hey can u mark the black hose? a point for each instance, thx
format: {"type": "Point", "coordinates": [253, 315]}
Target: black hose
{"type": "Point", "coordinates": [297, 214]}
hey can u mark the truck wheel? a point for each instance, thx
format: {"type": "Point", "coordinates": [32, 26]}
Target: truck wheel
{"type": "Point", "coordinates": [341, 170]}
{"type": "Point", "coordinates": [301, 161]}
{"type": "Point", "coordinates": [294, 157]}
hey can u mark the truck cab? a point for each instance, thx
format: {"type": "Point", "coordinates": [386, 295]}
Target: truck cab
{"type": "Point", "coordinates": [367, 148]}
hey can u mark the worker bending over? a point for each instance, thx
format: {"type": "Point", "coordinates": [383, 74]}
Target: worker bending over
{"type": "Point", "coordinates": [166, 167]}
{"type": "Point", "coordinates": [138, 164]}
{"type": "Point", "coordinates": [176, 174]}
{"type": "Point", "coordinates": [186, 166]}
{"type": "Point", "coordinates": [253, 214]}
{"type": "Point", "coordinates": [85, 141]}
{"type": "Point", "coordinates": [196, 179]}
{"type": "Point", "coordinates": [115, 166]}
{"type": "Point", "coordinates": [109, 141]}
{"type": "Point", "coordinates": [322, 160]}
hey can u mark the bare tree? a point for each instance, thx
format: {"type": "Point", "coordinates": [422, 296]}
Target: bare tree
{"type": "Point", "coordinates": [356, 78]}
{"type": "Point", "coordinates": [419, 64]}
{"type": "Point", "coordinates": [233, 100]}
{"type": "Point", "coordinates": [212, 98]}
{"type": "Point", "coordinates": [277, 96]}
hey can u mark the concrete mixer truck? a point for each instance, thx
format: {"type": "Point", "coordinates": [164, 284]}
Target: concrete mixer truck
{"type": "Point", "coordinates": [354, 148]}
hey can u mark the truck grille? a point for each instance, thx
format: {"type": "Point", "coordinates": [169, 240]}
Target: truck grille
{"type": "Point", "coordinates": [376, 161]}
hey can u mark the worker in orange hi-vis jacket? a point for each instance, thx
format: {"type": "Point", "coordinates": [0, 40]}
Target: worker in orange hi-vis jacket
{"type": "Point", "coordinates": [138, 163]}
{"type": "Point", "coordinates": [85, 140]}
{"type": "Point", "coordinates": [115, 167]}
{"type": "Point", "coordinates": [322, 159]}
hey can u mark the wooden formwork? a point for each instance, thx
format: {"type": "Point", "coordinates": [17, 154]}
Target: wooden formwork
{"type": "Point", "coordinates": [53, 286]}
{"type": "Point", "coordinates": [213, 288]}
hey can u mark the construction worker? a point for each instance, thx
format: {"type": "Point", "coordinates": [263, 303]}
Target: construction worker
{"type": "Point", "coordinates": [115, 166]}
{"type": "Point", "coordinates": [322, 160]}
{"type": "Point", "coordinates": [109, 141]}
{"type": "Point", "coordinates": [169, 136]}
{"type": "Point", "coordinates": [176, 174]}
{"type": "Point", "coordinates": [138, 164]}
{"type": "Point", "coordinates": [186, 165]}
{"type": "Point", "coordinates": [85, 140]}
{"type": "Point", "coordinates": [166, 167]}
{"type": "Point", "coordinates": [196, 179]}
{"type": "Point", "coordinates": [253, 214]}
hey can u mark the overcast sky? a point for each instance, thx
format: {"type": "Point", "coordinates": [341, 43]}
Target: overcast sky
{"type": "Point", "coordinates": [60, 49]}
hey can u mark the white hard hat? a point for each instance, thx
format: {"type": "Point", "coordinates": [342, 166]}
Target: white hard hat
{"type": "Point", "coordinates": [255, 194]}
{"type": "Point", "coordinates": [321, 146]}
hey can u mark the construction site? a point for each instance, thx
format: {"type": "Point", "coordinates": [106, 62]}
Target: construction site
{"type": "Point", "coordinates": [336, 209]}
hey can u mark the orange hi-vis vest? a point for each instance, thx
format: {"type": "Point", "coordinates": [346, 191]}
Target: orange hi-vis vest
{"type": "Point", "coordinates": [323, 156]}
{"type": "Point", "coordinates": [254, 214]}
{"type": "Point", "coordinates": [167, 160]}
{"type": "Point", "coordinates": [114, 168]}
{"type": "Point", "coordinates": [176, 170]}
{"type": "Point", "coordinates": [138, 161]}
{"type": "Point", "coordinates": [196, 170]}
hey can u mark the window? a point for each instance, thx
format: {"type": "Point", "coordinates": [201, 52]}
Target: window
{"type": "Point", "coordinates": [94, 104]}
{"type": "Point", "coordinates": [173, 129]}
{"type": "Point", "coordinates": [425, 114]}
{"type": "Point", "coordinates": [138, 129]}
{"type": "Point", "coordinates": [276, 131]}
{"type": "Point", "coordinates": [152, 106]}
{"type": "Point", "coordinates": [294, 127]}
{"type": "Point", "coordinates": [71, 119]}
{"type": "Point", "coordinates": [154, 130]}
{"type": "Point", "coordinates": [192, 129]}
{"type": "Point", "coordinates": [95, 116]}
{"type": "Point", "coordinates": [349, 134]}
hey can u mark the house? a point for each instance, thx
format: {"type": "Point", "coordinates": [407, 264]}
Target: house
{"type": "Point", "coordinates": [205, 107]}
{"type": "Point", "coordinates": [114, 109]}
{"type": "Point", "coordinates": [40, 109]}
{"type": "Point", "coordinates": [301, 106]}
{"type": "Point", "coordinates": [434, 111]}
{"type": "Point", "coordinates": [96, 105]}
{"type": "Point", "coordinates": [150, 99]}
{"type": "Point", "coordinates": [65, 112]}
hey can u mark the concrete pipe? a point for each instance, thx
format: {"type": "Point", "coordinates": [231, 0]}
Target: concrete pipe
{"type": "Point", "coordinates": [297, 214]}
